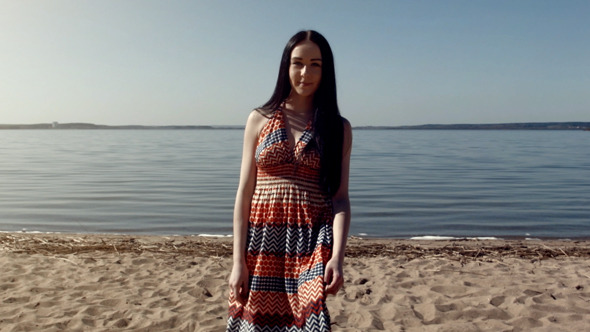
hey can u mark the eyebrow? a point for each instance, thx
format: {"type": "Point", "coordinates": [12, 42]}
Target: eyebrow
{"type": "Point", "coordinates": [298, 58]}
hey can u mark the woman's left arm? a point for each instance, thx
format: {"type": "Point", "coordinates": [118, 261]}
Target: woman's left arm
{"type": "Point", "coordinates": [334, 275]}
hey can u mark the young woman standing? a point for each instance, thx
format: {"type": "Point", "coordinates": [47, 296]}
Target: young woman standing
{"type": "Point", "coordinates": [292, 211]}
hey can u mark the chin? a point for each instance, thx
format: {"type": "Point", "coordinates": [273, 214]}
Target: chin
{"type": "Point", "coordinates": [305, 93]}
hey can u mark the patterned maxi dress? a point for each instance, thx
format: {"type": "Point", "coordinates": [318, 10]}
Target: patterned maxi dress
{"type": "Point", "coordinates": [289, 238]}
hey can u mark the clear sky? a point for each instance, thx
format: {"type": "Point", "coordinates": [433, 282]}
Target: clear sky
{"type": "Point", "coordinates": [173, 62]}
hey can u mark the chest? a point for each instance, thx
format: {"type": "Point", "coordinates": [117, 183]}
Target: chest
{"type": "Point", "coordinates": [280, 144]}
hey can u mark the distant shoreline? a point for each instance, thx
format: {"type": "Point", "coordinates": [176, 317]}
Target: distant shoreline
{"type": "Point", "coordinates": [492, 126]}
{"type": "Point", "coordinates": [91, 126]}
{"type": "Point", "coordinates": [489, 126]}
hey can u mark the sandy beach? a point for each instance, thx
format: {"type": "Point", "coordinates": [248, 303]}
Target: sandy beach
{"type": "Point", "coordinates": [78, 282]}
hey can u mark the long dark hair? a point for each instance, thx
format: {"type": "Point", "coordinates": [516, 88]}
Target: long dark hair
{"type": "Point", "coordinates": [327, 123]}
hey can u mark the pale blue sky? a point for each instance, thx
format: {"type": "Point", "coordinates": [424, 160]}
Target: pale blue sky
{"type": "Point", "coordinates": [211, 62]}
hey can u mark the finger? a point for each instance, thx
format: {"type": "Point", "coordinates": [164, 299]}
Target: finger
{"type": "Point", "coordinates": [329, 280]}
{"type": "Point", "coordinates": [238, 297]}
{"type": "Point", "coordinates": [328, 277]}
{"type": "Point", "coordinates": [242, 298]}
{"type": "Point", "coordinates": [243, 293]}
{"type": "Point", "coordinates": [234, 294]}
{"type": "Point", "coordinates": [331, 288]}
{"type": "Point", "coordinates": [335, 285]}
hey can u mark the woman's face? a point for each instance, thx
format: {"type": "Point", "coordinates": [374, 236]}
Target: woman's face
{"type": "Point", "coordinates": [305, 70]}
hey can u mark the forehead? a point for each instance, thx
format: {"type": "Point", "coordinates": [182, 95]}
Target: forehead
{"type": "Point", "coordinates": [306, 50]}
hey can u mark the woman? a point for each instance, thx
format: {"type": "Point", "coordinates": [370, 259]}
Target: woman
{"type": "Point", "coordinates": [292, 210]}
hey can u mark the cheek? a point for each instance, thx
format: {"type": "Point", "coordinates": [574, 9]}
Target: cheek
{"type": "Point", "coordinates": [317, 74]}
{"type": "Point", "coordinates": [292, 80]}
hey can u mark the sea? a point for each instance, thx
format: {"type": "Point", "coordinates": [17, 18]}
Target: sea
{"type": "Point", "coordinates": [530, 184]}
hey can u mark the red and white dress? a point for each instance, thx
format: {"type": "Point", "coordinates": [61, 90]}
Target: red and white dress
{"type": "Point", "coordinates": [289, 238]}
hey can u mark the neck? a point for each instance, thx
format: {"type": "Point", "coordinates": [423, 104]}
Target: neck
{"type": "Point", "coordinates": [298, 104]}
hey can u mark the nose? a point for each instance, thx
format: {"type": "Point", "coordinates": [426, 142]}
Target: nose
{"type": "Point", "coordinates": [304, 71]}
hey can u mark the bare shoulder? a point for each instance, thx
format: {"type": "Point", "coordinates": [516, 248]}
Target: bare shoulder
{"type": "Point", "coordinates": [256, 121]}
{"type": "Point", "coordinates": [347, 127]}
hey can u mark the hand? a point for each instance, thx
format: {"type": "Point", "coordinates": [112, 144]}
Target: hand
{"type": "Point", "coordinates": [333, 276]}
{"type": "Point", "coordinates": [238, 283]}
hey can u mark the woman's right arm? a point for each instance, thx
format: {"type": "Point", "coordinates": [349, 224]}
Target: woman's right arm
{"type": "Point", "coordinates": [238, 281]}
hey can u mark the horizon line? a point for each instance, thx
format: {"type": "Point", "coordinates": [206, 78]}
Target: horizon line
{"type": "Point", "coordinates": [504, 125]}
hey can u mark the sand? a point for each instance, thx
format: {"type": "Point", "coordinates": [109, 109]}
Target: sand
{"type": "Point", "coordinates": [58, 282]}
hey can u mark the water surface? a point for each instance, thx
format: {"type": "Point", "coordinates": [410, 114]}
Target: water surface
{"type": "Point", "coordinates": [403, 182]}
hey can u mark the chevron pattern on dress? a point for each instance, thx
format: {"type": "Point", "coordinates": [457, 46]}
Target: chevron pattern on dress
{"type": "Point", "coordinates": [314, 318]}
{"type": "Point", "coordinates": [289, 238]}
{"type": "Point", "coordinates": [313, 273]}
{"type": "Point", "coordinates": [277, 136]}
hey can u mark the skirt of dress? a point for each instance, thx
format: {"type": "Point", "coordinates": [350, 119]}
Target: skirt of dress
{"type": "Point", "coordinates": [289, 240]}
